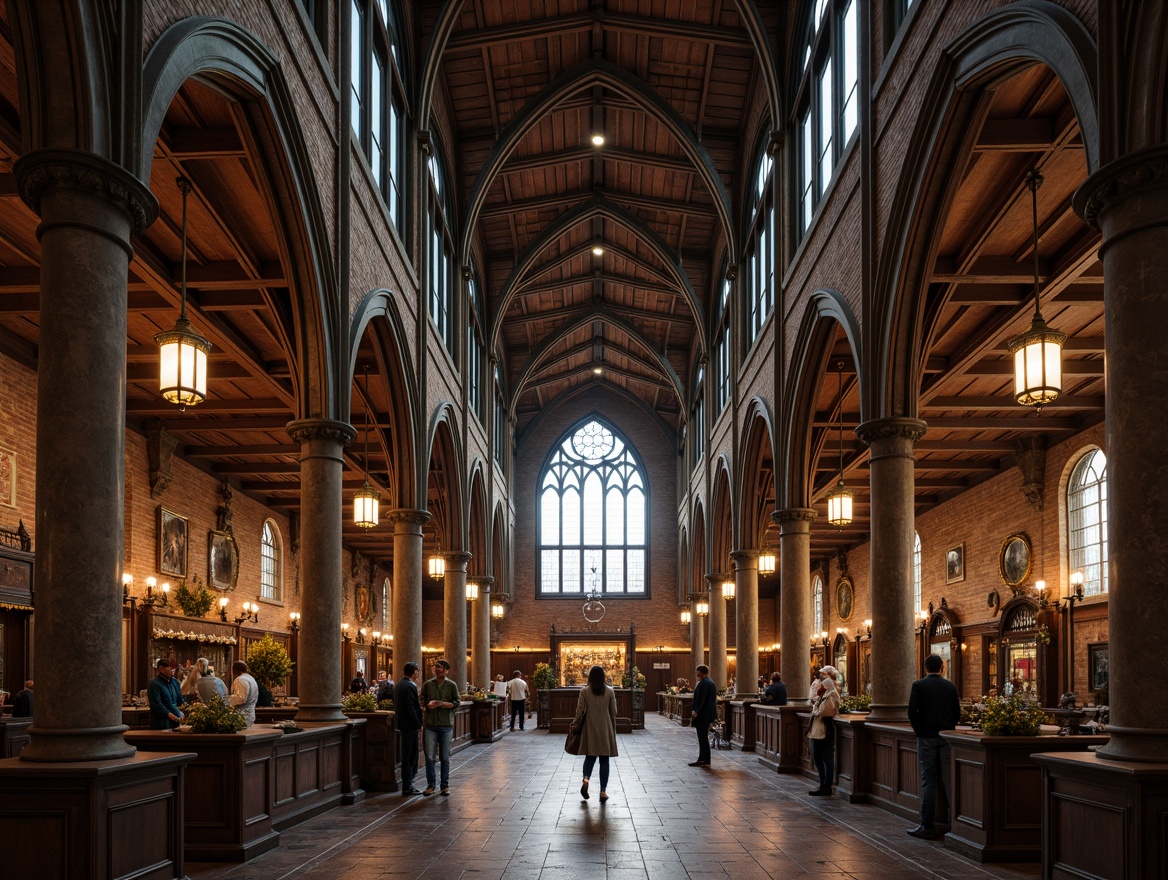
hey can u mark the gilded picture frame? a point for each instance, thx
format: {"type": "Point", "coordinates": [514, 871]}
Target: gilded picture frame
{"type": "Point", "coordinates": [845, 596]}
{"type": "Point", "coordinates": [955, 564]}
{"type": "Point", "coordinates": [1014, 560]}
{"type": "Point", "coordinates": [173, 543]}
{"type": "Point", "coordinates": [222, 561]}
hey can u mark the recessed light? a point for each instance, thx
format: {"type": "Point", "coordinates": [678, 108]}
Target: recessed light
{"type": "Point", "coordinates": [598, 140]}
{"type": "Point", "coordinates": [597, 370]}
{"type": "Point", "coordinates": [597, 251]}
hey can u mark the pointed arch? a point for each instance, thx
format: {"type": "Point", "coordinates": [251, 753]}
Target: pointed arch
{"type": "Point", "coordinates": [224, 52]}
{"type": "Point", "coordinates": [476, 515]}
{"type": "Point", "coordinates": [756, 474]}
{"type": "Point", "coordinates": [723, 517]}
{"type": "Point", "coordinates": [597, 206]}
{"type": "Point", "coordinates": [825, 311]}
{"type": "Point", "coordinates": [445, 478]}
{"type": "Point", "coordinates": [599, 313]}
{"type": "Point", "coordinates": [997, 45]}
{"type": "Point", "coordinates": [595, 71]}
{"type": "Point", "coordinates": [699, 566]}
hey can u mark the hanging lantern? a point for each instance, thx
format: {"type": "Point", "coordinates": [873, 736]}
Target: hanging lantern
{"type": "Point", "coordinates": [497, 611]}
{"type": "Point", "coordinates": [702, 607]}
{"type": "Point", "coordinates": [437, 567]}
{"type": "Point", "coordinates": [1038, 358]}
{"type": "Point", "coordinates": [472, 591]}
{"type": "Point", "coordinates": [367, 500]}
{"type": "Point", "coordinates": [728, 589]}
{"type": "Point", "coordinates": [686, 617]}
{"type": "Point", "coordinates": [767, 562]}
{"type": "Point", "coordinates": [839, 501]}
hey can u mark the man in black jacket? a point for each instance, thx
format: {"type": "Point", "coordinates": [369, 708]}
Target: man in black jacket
{"type": "Point", "coordinates": [407, 719]}
{"type": "Point", "coordinates": [705, 713]}
{"type": "Point", "coordinates": [933, 706]}
{"type": "Point", "coordinates": [776, 692]}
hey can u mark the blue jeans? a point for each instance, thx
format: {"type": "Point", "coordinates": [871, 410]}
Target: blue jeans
{"type": "Point", "coordinates": [590, 762]}
{"type": "Point", "coordinates": [933, 758]}
{"type": "Point", "coordinates": [437, 744]}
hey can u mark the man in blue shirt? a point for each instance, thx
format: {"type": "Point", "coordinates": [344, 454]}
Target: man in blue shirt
{"type": "Point", "coordinates": [165, 698]}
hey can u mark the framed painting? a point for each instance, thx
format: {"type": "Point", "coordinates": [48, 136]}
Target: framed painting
{"type": "Point", "coordinates": [1014, 560]}
{"type": "Point", "coordinates": [7, 478]}
{"type": "Point", "coordinates": [844, 598]}
{"type": "Point", "coordinates": [173, 538]}
{"type": "Point", "coordinates": [955, 564]}
{"type": "Point", "coordinates": [222, 561]}
{"type": "Point", "coordinates": [1098, 666]}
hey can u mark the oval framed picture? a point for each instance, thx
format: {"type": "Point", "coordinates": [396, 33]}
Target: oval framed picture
{"type": "Point", "coordinates": [1014, 560]}
{"type": "Point", "coordinates": [844, 594]}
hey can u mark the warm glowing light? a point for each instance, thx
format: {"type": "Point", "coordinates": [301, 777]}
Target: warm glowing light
{"type": "Point", "coordinates": [767, 562]}
{"type": "Point", "coordinates": [728, 589]}
{"type": "Point", "coordinates": [598, 140]}
{"type": "Point", "coordinates": [702, 608]}
{"type": "Point", "coordinates": [127, 579]}
{"type": "Point", "coordinates": [472, 591]}
{"type": "Point", "coordinates": [597, 251]}
{"type": "Point", "coordinates": [437, 567]}
{"type": "Point", "coordinates": [497, 611]}
{"type": "Point", "coordinates": [686, 617]}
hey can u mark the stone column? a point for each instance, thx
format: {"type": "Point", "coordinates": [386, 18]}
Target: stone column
{"type": "Point", "coordinates": [795, 597]}
{"type": "Point", "coordinates": [454, 615]}
{"type": "Point", "coordinates": [408, 571]}
{"type": "Point", "coordinates": [717, 642]}
{"type": "Point", "coordinates": [697, 636]}
{"type": "Point", "coordinates": [1128, 201]}
{"type": "Point", "coordinates": [746, 609]}
{"type": "Point", "coordinates": [321, 579]}
{"type": "Point", "coordinates": [89, 209]}
{"type": "Point", "coordinates": [894, 652]}
{"type": "Point", "coordinates": [480, 632]}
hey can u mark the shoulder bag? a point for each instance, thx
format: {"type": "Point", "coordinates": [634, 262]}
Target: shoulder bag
{"type": "Point", "coordinates": [572, 744]}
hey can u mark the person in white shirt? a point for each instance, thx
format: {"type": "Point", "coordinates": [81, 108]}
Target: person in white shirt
{"type": "Point", "coordinates": [244, 691]}
{"type": "Point", "coordinates": [517, 691]}
{"type": "Point", "coordinates": [499, 689]}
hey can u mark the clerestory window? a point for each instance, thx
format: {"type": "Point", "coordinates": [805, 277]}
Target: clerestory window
{"type": "Point", "coordinates": [1087, 521]}
{"type": "Point", "coordinates": [593, 516]}
{"type": "Point", "coordinates": [271, 570]}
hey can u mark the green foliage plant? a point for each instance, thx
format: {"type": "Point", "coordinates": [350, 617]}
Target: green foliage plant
{"type": "Point", "coordinates": [214, 716]}
{"type": "Point", "coordinates": [359, 703]}
{"type": "Point", "coordinates": [856, 703]}
{"type": "Point", "coordinates": [193, 599]}
{"type": "Point", "coordinates": [268, 662]}
{"type": "Point", "coordinates": [385, 706]}
{"type": "Point", "coordinates": [1011, 716]}
{"type": "Point", "coordinates": [543, 677]}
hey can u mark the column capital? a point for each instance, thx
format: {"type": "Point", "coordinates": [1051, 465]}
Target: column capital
{"type": "Point", "coordinates": [41, 171]}
{"type": "Point", "coordinates": [1116, 181]}
{"type": "Point", "coordinates": [306, 430]}
{"type": "Point", "coordinates": [457, 559]}
{"type": "Point", "coordinates": [895, 427]}
{"type": "Point", "coordinates": [794, 515]}
{"type": "Point", "coordinates": [743, 558]}
{"type": "Point", "coordinates": [407, 515]}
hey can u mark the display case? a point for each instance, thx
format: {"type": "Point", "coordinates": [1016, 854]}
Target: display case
{"type": "Point", "coordinates": [574, 653]}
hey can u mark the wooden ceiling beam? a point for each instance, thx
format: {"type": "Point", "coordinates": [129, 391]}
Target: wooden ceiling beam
{"type": "Point", "coordinates": [1075, 368]}
{"type": "Point", "coordinates": [258, 467]}
{"type": "Point", "coordinates": [159, 406]}
{"type": "Point", "coordinates": [1037, 133]}
{"type": "Point", "coordinates": [566, 200]}
{"type": "Point", "coordinates": [249, 451]}
{"type": "Point", "coordinates": [203, 143]}
{"type": "Point", "coordinates": [189, 424]}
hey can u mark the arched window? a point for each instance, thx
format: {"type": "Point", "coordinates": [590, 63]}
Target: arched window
{"type": "Point", "coordinates": [474, 350]}
{"type": "Point", "coordinates": [271, 569]}
{"type": "Point", "coordinates": [593, 516]}
{"type": "Point", "coordinates": [760, 250]}
{"type": "Point", "coordinates": [828, 101]}
{"type": "Point", "coordinates": [443, 278]}
{"type": "Point", "coordinates": [817, 605]}
{"type": "Point", "coordinates": [385, 618]}
{"type": "Point", "coordinates": [722, 372]}
{"type": "Point", "coordinates": [1087, 521]}
{"type": "Point", "coordinates": [699, 418]}
{"type": "Point", "coordinates": [917, 606]}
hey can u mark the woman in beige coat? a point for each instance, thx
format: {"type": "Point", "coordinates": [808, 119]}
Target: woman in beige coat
{"type": "Point", "coordinates": [596, 710]}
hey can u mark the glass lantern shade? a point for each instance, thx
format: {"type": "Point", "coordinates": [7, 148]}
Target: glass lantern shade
{"type": "Point", "coordinates": [686, 617]}
{"type": "Point", "coordinates": [472, 591]}
{"type": "Point", "coordinates": [497, 611]}
{"type": "Point", "coordinates": [182, 374]}
{"type": "Point", "coordinates": [728, 589]}
{"type": "Point", "coordinates": [365, 507]}
{"type": "Point", "coordinates": [437, 567]}
{"type": "Point", "coordinates": [1038, 365]}
{"type": "Point", "coordinates": [839, 506]}
{"type": "Point", "coordinates": [702, 608]}
{"type": "Point", "coordinates": [767, 562]}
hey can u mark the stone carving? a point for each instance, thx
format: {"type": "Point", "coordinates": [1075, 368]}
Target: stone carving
{"type": "Point", "coordinates": [44, 170]}
{"type": "Point", "coordinates": [1032, 463]}
{"type": "Point", "coordinates": [160, 448]}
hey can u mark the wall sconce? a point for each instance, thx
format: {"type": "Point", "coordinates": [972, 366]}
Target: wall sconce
{"type": "Point", "coordinates": [376, 640]}
{"type": "Point", "coordinates": [251, 612]}
{"type": "Point", "coordinates": [294, 621]}
{"type": "Point", "coordinates": [497, 611]}
{"type": "Point", "coordinates": [860, 635]}
{"type": "Point", "coordinates": [345, 632]}
{"type": "Point", "coordinates": [686, 617]}
{"type": "Point", "coordinates": [923, 624]}
{"type": "Point", "coordinates": [819, 640]}
{"type": "Point", "coordinates": [472, 591]}
{"type": "Point", "coordinates": [702, 607]}
{"type": "Point", "coordinates": [728, 589]}
{"type": "Point", "coordinates": [437, 567]}
{"type": "Point", "coordinates": [182, 353]}
{"type": "Point", "coordinates": [150, 599]}
{"type": "Point", "coordinates": [1076, 594]}
{"type": "Point", "coordinates": [1040, 588]}
{"type": "Point", "coordinates": [127, 582]}
{"type": "Point", "coordinates": [361, 633]}
{"type": "Point", "coordinates": [223, 609]}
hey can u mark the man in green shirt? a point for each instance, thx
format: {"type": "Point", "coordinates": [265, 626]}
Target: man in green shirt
{"type": "Point", "coordinates": [439, 697]}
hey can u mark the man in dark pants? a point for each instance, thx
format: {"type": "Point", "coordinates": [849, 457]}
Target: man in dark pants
{"type": "Point", "coordinates": [933, 706]}
{"type": "Point", "coordinates": [407, 719]}
{"type": "Point", "coordinates": [22, 705]}
{"type": "Point", "coordinates": [705, 713]}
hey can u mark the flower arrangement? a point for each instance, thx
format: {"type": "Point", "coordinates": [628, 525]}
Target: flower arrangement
{"type": "Point", "coordinates": [385, 706]}
{"type": "Point", "coordinates": [633, 678]}
{"type": "Point", "coordinates": [214, 716]}
{"type": "Point", "coordinates": [359, 703]}
{"type": "Point", "coordinates": [856, 703]}
{"type": "Point", "coordinates": [268, 662]}
{"type": "Point", "coordinates": [543, 677]}
{"type": "Point", "coordinates": [194, 600]}
{"type": "Point", "coordinates": [1011, 716]}
{"type": "Point", "coordinates": [205, 638]}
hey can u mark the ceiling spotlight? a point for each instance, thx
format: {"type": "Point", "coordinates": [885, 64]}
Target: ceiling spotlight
{"type": "Point", "coordinates": [597, 370]}
{"type": "Point", "coordinates": [597, 251]}
{"type": "Point", "coordinates": [598, 140]}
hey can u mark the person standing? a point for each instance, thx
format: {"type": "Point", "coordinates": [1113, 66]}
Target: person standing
{"type": "Point", "coordinates": [933, 706]}
{"type": "Point", "coordinates": [439, 696]}
{"type": "Point", "coordinates": [207, 684]}
{"type": "Point", "coordinates": [517, 691]}
{"type": "Point", "coordinates": [776, 692]}
{"type": "Point", "coordinates": [359, 685]}
{"type": "Point", "coordinates": [384, 686]}
{"type": "Point", "coordinates": [596, 719]}
{"type": "Point", "coordinates": [245, 693]}
{"type": "Point", "coordinates": [705, 713]}
{"type": "Point", "coordinates": [22, 702]}
{"type": "Point", "coordinates": [165, 697]}
{"type": "Point", "coordinates": [407, 720]}
{"type": "Point", "coordinates": [824, 707]}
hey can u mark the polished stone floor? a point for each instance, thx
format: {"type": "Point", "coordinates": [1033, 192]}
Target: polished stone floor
{"type": "Point", "coordinates": [515, 812]}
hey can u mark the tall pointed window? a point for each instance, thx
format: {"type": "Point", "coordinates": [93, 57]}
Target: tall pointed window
{"type": "Point", "coordinates": [271, 570]}
{"type": "Point", "coordinates": [722, 372]}
{"type": "Point", "coordinates": [817, 605]}
{"type": "Point", "coordinates": [443, 278]}
{"type": "Point", "coordinates": [1087, 522]}
{"type": "Point", "coordinates": [760, 250]}
{"type": "Point", "coordinates": [474, 351]}
{"type": "Point", "coordinates": [917, 593]}
{"type": "Point", "coordinates": [699, 418]}
{"type": "Point", "coordinates": [593, 516]}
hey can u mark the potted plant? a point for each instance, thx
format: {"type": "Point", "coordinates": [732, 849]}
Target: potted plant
{"type": "Point", "coordinates": [1011, 716]}
{"type": "Point", "coordinates": [544, 677]}
{"type": "Point", "coordinates": [359, 703]}
{"type": "Point", "coordinates": [194, 600]}
{"type": "Point", "coordinates": [214, 716]}
{"type": "Point", "coordinates": [270, 665]}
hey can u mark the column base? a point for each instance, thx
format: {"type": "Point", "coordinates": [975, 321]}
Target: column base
{"type": "Point", "coordinates": [82, 745]}
{"type": "Point", "coordinates": [1141, 744]}
{"type": "Point", "coordinates": [67, 820]}
{"type": "Point", "coordinates": [323, 712]}
{"type": "Point", "coordinates": [889, 713]}
{"type": "Point", "coordinates": [1103, 818]}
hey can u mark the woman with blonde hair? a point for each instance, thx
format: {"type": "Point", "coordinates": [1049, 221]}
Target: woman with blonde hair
{"type": "Point", "coordinates": [824, 707]}
{"type": "Point", "coordinates": [596, 720]}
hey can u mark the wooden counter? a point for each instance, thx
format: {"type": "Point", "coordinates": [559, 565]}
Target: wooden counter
{"type": "Point", "coordinates": [678, 707]}
{"type": "Point", "coordinates": [561, 703]}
